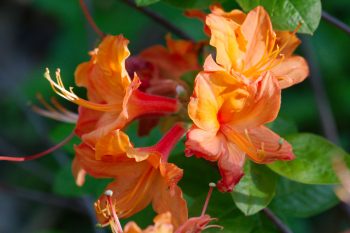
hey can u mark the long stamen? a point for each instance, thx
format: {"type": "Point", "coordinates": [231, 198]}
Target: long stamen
{"type": "Point", "coordinates": [60, 90]}
{"type": "Point", "coordinates": [113, 213]}
{"type": "Point", "coordinates": [211, 187]}
{"type": "Point", "coordinates": [57, 112]}
{"type": "Point", "coordinates": [38, 155]}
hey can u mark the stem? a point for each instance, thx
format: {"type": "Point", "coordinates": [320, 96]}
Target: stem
{"type": "Point", "coordinates": [160, 20]}
{"type": "Point", "coordinates": [328, 122]}
{"type": "Point", "coordinates": [90, 19]}
{"type": "Point", "coordinates": [38, 155]}
{"type": "Point", "coordinates": [169, 140]}
{"type": "Point", "coordinates": [279, 224]}
{"type": "Point", "coordinates": [336, 22]}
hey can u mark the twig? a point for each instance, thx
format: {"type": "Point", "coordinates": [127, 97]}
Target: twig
{"type": "Point", "coordinates": [326, 116]}
{"type": "Point", "coordinates": [90, 19]}
{"type": "Point", "coordinates": [336, 22]}
{"type": "Point", "coordinates": [279, 224]}
{"type": "Point", "coordinates": [160, 20]}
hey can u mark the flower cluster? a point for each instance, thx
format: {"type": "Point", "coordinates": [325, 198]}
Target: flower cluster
{"type": "Point", "coordinates": [234, 95]}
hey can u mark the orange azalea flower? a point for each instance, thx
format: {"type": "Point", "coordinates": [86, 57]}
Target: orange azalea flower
{"type": "Point", "coordinates": [228, 116]}
{"type": "Point", "coordinates": [113, 97]}
{"type": "Point", "coordinates": [142, 175]}
{"type": "Point", "coordinates": [247, 45]}
{"type": "Point", "coordinates": [162, 222]}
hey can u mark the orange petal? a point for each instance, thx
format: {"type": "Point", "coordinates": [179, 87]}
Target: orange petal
{"type": "Point", "coordinates": [288, 41]}
{"type": "Point", "coordinates": [258, 32]}
{"type": "Point", "coordinates": [194, 224]}
{"type": "Point", "coordinates": [224, 39]}
{"type": "Point", "coordinates": [171, 173]}
{"type": "Point", "coordinates": [261, 144]}
{"type": "Point", "coordinates": [132, 227]}
{"type": "Point", "coordinates": [231, 167]}
{"type": "Point", "coordinates": [105, 76]}
{"type": "Point", "coordinates": [87, 121]}
{"type": "Point", "coordinates": [261, 107]}
{"type": "Point", "coordinates": [206, 144]}
{"type": "Point", "coordinates": [114, 144]}
{"type": "Point", "coordinates": [132, 191]}
{"type": "Point", "coordinates": [290, 71]}
{"type": "Point", "coordinates": [165, 200]}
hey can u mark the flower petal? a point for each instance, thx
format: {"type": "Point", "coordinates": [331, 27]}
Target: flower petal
{"type": "Point", "coordinates": [290, 71]}
{"type": "Point", "coordinates": [172, 201]}
{"type": "Point", "coordinates": [262, 105]}
{"type": "Point", "coordinates": [256, 29]}
{"type": "Point", "coordinates": [206, 144]}
{"type": "Point", "coordinates": [231, 167]}
{"type": "Point", "coordinates": [261, 144]}
{"type": "Point", "coordinates": [105, 76]}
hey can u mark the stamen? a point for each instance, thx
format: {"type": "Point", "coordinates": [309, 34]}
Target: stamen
{"type": "Point", "coordinates": [58, 113]}
{"type": "Point", "coordinates": [60, 90]}
{"type": "Point", "coordinates": [115, 218]}
{"type": "Point", "coordinates": [211, 187]}
{"type": "Point", "coordinates": [38, 155]}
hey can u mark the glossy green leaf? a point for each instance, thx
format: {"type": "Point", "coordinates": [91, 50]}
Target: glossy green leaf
{"type": "Point", "coordinates": [145, 2]}
{"type": "Point", "coordinates": [255, 190]}
{"type": "Point", "coordinates": [287, 14]}
{"type": "Point", "coordinates": [198, 4]}
{"type": "Point", "coordinates": [313, 162]}
{"type": "Point", "coordinates": [302, 200]}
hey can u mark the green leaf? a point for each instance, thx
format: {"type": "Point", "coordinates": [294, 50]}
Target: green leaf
{"type": "Point", "coordinates": [283, 126]}
{"type": "Point", "coordinates": [287, 14]}
{"type": "Point", "coordinates": [313, 162]}
{"type": "Point", "coordinates": [255, 190]}
{"type": "Point", "coordinates": [145, 2]}
{"type": "Point", "coordinates": [198, 4]}
{"type": "Point", "coordinates": [64, 184]}
{"type": "Point", "coordinates": [302, 200]}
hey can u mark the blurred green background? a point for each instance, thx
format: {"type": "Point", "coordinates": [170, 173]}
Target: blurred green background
{"type": "Point", "coordinates": [35, 34]}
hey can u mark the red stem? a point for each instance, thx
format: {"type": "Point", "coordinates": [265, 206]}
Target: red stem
{"type": "Point", "coordinates": [90, 19]}
{"type": "Point", "coordinates": [38, 155]}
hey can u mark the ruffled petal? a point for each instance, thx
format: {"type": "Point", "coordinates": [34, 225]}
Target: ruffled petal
{"type": "Point", "coordinates": [226, 40]}
{"type": "Point", "coordinates": [132, 227]}
{"type": "Point", "coordinates": [172, 201]}
{"type": "Point", "coordinates": [290, 71]}
{"type": "Point", "coordinates": [262, 105]}
{"type": "Point", "coordinates": [261, 144]}
{"type": "Point", "coordinates": [259, 35]}
{"type": "Point", "coordinates": [105, 76]}
{"type": "Point", "coordinates": [231, 167]}
{"type": "Point", "coordinates": [206, 144]}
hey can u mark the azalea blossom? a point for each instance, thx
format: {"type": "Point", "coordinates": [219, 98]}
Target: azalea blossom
{"type": "Point", "coordinates": [142, 175]}
{"type": "Point", "coordinates": [113, 98]}
{"type": "Point", "coordinates": [247, 45]}
{"type": "Point", "coordinates": [162, 222]}
{"type": "Point", "coordinates": [228, 118]}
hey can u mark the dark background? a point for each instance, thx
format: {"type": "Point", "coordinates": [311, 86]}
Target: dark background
{"type": "Point", "coordinates": [35, 34]}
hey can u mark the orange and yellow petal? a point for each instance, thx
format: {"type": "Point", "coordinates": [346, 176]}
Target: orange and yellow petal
{"type": "Point", "coordinates": [290, 71]}
{"type": "Point", "coordinates": [261, 144]}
